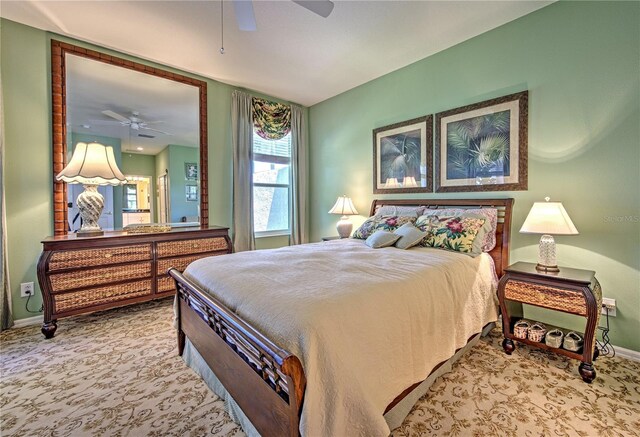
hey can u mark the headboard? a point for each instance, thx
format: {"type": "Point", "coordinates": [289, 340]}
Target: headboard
{"type": "Point", "coordinates": [500, 253]}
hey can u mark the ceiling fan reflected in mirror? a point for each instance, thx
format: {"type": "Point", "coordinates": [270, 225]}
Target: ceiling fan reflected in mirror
{"type": "Point", "coordinates": [134, 122]}
{"type": "Point", "coordinates": [247, 20]}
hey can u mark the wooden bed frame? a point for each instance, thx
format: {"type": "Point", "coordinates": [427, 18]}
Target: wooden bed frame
{"type": "Point", "coordinates": [268, 382]}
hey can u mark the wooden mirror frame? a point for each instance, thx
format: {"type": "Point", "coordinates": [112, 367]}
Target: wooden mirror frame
{"type": "Point", "coordinates": [59, 111]}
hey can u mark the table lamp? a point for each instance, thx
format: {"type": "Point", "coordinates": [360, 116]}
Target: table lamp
{"type": "Point", "coordinates": [91, 165]}
{"type": "Point", "coordinates": [344, 207]}
{"type": "Point", "coordinates": [548, 218]}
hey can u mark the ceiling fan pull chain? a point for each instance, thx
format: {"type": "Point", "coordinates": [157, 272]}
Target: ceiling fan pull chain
{"type": "Point", "coordinates": [222, 27]}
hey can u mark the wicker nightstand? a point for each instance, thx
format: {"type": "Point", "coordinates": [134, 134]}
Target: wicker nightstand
{"type": "Point", "coordinates": [570, 291]}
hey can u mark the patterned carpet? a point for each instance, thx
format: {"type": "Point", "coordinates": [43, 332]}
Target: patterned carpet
{"type": "Point", "coordinates": [117, 374]}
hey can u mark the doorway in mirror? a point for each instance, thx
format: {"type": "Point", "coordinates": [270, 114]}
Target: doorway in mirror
{"type": "Point", "coordinates": [137, 207]}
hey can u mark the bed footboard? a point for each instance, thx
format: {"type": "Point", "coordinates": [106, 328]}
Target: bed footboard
{"type": "Point", "coordinates": [266, 381]}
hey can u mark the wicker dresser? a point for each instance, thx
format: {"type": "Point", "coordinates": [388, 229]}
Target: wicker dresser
{"type": "Point", "coordinates": [571, 291]}
{"type": "Point", "coordinates": [84, 274]}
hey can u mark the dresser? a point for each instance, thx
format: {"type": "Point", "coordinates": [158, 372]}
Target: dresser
{"type": "Point", "coordinates": [84, 274]}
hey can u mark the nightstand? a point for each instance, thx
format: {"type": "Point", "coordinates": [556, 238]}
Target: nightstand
{"type": "Point", "coordinates": [330, 238]}
{"type": "Point", "coordinates": [569, 291]}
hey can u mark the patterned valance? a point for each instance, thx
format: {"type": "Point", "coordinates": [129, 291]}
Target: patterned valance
{"type": "Point", "coordinates": [271, 120]}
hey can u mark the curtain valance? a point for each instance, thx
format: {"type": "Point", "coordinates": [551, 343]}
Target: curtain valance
{"type": "Point", "coordinates": [271, 120]}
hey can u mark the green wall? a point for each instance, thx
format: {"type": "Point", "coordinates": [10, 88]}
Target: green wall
{"type": "Point", "coordinates": [25, 67]}
{"type": "Point", "coordinates": [135, 164]}
{"type": "Point", "coordinates": [178, 156]}
{"type": "Point", "coordinates": [580, 63]}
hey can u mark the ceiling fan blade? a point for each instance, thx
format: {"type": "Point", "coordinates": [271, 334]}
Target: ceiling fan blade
{"type": "Point", "coordinates": [116, 116]}
{"type": "Point", "coordinates": [244, 15]}
{"type": "Point", "coordinates": [320, 7]}
{"type": "Point", "coordinates": [105, 122]}
{"type": "Point", "coordinates": [156, 130]}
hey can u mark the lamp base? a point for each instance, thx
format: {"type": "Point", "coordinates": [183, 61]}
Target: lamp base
{"type": "Point", "coordinates": [82, 233]}
{"type": "Point", "coordinates": [547, 269]}
{"type": "Point", "coordinates": [344, 227]}
{"type": "Point", "coordinates": [547, 255]}
{"type": "Point", "coordinates": [90, 204]}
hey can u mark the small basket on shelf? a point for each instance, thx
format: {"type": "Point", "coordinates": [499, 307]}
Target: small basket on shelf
{"type": "Point", "coordinates": [554, 338]}
{"type": "Point", "coordinates": [537, 332]}
{"type": "Point", "coordinates": [573, 342]}
{"type": "Point", "coordinates": [521, 328]}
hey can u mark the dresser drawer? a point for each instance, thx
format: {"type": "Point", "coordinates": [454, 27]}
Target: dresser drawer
{"type": "Point", "coordinates": [181, 263]}
{"type": "Point", "coordinates": [100, 295]}
{"type": "Point", "coordinates": [546, 296]}
{"type": "Point", "coordinates": [69, 259]}
{"type": "Point", "coordinates": [185, 247]}
{"type": "Point", "coordinates": [99, 276]}
{"type": "Point", "coordinates": [165, 284]}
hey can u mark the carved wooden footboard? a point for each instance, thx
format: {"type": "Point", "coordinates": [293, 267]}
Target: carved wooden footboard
{"type": "Point", "coordinates": [266, 381]}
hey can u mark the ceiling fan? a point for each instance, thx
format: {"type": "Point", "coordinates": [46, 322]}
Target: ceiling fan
{"type": "Point", "coordinates": [247, 20]}
{"type": "Point", "coordinates": [134, 122]}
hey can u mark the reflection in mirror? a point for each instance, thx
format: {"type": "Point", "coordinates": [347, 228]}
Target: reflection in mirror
{"type": "Point", "coordinates": [153, 125]}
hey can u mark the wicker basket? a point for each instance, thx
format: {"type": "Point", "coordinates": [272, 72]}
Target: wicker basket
{"type": "Point", "coordinates": [537, 332]}
{"type": "Point", "coordinates": [521, 328]}
{"type": "Point", "coordinates": [573, 342]}
{"type": "Point", "coordinates": [554, 338]}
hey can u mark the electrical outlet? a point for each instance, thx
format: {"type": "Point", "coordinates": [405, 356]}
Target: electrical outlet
{"type": "Point", "coordinates": [26, 289]}
{"type": "Point", "coordinates": [609, 304]}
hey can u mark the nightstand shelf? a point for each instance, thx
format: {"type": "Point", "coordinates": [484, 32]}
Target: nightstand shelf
{"type": "Point", "coordinates": [571, 291]}
{"type": "Point", "coordinates": [575, 355]}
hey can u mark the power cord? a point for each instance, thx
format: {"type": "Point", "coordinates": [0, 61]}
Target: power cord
{"type": "Point", "coordinates": [26, 305]}
{"type": "Point", "coordinates": [605, 346]}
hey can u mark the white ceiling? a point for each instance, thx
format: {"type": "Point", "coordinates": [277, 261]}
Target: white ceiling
{"type": "Point", "coordinates": [294, 55]}
{"type": "Point", "coordinates": [169, 106]}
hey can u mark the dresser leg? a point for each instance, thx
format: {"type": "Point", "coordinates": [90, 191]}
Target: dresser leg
{"type": "Point", "coordinates": [587, 372]}
{"type": "Point", "coordinates": [49, 329]}
{"type": "Point", "coordinates": [508, 346]}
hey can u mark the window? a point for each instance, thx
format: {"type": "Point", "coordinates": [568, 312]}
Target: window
{"type": "Point", "coordinates": [271, 179]}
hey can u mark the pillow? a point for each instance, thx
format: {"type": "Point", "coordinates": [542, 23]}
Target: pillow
{"type": "Point", "coordinates": [400, 211]}
{"type": "Point", "coordinates": [409, 236]}
{"type": "Point", "coordinates": [381, 239]}
{"type": "Point", "coordinates": [453, 232]}
{"type": "Point", "coordinates": [374, 223]}
{"type": "Point", "coordinates": [491, 214]}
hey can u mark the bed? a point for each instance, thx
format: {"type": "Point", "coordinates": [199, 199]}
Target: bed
{"type": "Point", "coordinates": [339, 353]}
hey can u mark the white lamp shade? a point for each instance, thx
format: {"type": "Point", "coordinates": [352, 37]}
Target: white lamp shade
{"type": "Point", "coordinates": [92, 164]}
{"type": "Point", "coordinates": [548, 218]}
{"type": "Point", "coordinates": [343, 206]}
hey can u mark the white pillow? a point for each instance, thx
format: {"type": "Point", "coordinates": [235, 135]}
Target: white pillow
{"type": "Point", "coordinates": [409, 236]}
{"type": "Point", "coordinates": [400, 211]}
{"type": "Point", "coordinates": [381, 239]}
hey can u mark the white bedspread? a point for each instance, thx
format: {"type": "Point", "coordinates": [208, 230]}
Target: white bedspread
{"type": "Point", "coordinates": [366, 323]}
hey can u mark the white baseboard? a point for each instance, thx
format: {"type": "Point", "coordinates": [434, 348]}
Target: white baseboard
{"type": "Point", "coordinates": [627, 353]}
{"type": "Point", "coordinates": [36, 320]}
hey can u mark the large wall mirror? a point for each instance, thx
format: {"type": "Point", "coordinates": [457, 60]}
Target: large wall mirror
{"type": "Point", "coordinates": [156, 122]}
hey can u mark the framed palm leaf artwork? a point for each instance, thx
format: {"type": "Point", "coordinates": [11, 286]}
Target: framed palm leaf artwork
{"type": "Point", "coordinates": [483, 147]}
{"type": "Point", "coordinates": [402, 157]}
